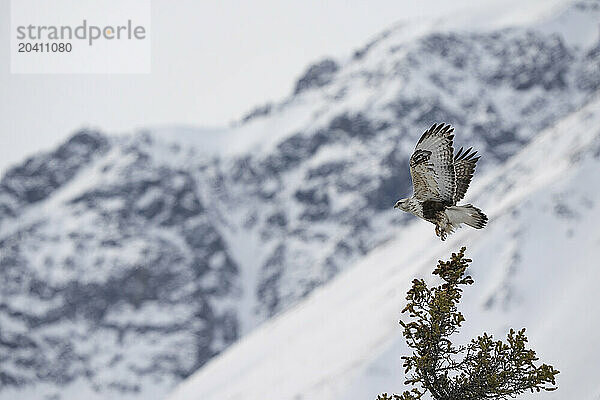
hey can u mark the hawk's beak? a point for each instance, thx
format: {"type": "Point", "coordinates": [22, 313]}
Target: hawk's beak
{"type": "Point", "coordinates": [396, 205]}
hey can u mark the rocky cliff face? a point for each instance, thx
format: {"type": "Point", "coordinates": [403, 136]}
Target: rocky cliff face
{"type": "Point", "coordinates": [128, 262]}
{"type": "Point", "coordinates": [111, 270]}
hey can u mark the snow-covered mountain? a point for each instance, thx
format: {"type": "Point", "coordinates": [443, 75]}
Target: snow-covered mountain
{"type": "Point", "coordinates": [534, 266]}
{"type": "Point", "coordinates": [127, 262]}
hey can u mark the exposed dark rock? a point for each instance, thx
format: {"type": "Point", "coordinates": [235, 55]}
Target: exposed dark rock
{"type": "Point", "coordinates": [39, 176]}
{"type": "Point", "coordinates": [260, 111]}
{"type": "Point", "coordinates": [272, 270]}
{"type": "Point", "coordinates": [317, 75]}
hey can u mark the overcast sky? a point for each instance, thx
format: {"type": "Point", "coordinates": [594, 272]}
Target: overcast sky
{"type": "Point", "coordinates": [211, 62]}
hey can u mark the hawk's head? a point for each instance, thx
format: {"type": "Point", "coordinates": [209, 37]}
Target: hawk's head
{"type": "Point", "coordinates": [402, 204]}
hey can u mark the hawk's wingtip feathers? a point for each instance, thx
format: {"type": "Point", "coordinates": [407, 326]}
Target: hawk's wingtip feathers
{"type": "Point", "coordinates": [468, 155]}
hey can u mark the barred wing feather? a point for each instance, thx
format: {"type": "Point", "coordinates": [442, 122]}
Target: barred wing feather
{"type": "Point", "coordinates": [431, 166]}
{"type": "Point", "coordinates": [464, 168]}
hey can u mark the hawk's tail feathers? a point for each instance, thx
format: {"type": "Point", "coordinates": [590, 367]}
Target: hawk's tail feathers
{"type": "Point", "coordinates": [466, 214]}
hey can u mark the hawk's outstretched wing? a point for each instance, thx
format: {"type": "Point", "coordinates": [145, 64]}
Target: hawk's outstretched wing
{"type": "Point", "coordinates": [431, 165]}
{"type": "Point", "coordinates": [464, 167]}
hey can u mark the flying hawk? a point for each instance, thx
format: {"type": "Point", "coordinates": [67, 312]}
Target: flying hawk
{"type": "Point", "coordinates": [440, 180]}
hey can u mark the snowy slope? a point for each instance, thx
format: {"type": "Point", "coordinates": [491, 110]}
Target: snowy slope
{"type": "Point", "coordinates": [533, 266]}
{"type": "Point", "coordinates": [127, 262]}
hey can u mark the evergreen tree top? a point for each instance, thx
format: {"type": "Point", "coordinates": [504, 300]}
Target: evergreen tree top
{"type": "Point", "coordinates": [482, 369]}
